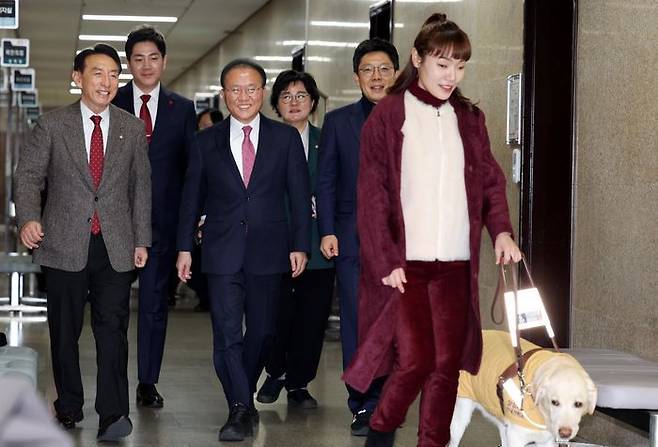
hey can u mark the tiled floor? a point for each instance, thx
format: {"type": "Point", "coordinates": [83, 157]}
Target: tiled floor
{"type": "Point", "coordinates": [194, 404]}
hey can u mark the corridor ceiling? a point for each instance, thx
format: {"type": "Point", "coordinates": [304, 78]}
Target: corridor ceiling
{"type": "Point", "coordinates": [53, 27]}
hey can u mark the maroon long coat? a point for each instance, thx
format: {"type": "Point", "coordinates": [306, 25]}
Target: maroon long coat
{"type": "Point", "coordinates": [381, 230]}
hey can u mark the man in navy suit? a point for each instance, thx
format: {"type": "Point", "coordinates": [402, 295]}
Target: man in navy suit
{"type": "Point", "coordinates": [240, 173]}
{"type": "Point", "coordinates": [170, 124]}
{"type": "Point", "coordinates": [375, 64]}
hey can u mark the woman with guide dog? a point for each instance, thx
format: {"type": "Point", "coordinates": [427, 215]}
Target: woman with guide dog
{"type": "Point", "coordinates": [427, 184]}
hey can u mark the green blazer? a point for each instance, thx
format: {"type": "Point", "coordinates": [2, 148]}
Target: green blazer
{"type": "Point", "coordinates": [316, 260]}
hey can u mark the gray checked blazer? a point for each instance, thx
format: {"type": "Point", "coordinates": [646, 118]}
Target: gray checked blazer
{"type": "Point", "coordinates": [55, 154]}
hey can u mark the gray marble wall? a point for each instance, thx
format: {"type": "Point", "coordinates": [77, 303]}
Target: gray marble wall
{"type": "Point", "coordinates": [615, 267]}
{"type": "Point", "coordinates": [615, 274]}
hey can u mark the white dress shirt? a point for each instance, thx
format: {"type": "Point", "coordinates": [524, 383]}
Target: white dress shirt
{"type": "Point", "coordinates": [152, 103]}
{"type": "Point", "coordinates": [237, 136]}
{"type": "Point", "coordinates": [88, 125]}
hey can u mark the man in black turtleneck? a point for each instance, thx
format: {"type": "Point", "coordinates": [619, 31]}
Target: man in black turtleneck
{"type": "Point", "coordinates": [375, 64]}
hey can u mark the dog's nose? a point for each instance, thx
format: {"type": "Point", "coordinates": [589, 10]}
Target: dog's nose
{"type": "Point", "coordinates": [565, 432]}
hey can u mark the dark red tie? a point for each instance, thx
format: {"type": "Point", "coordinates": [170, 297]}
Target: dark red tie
{"type": "Point", "coordinates": [96, 165]}
{"type": "Point", "coordinates": [145, 116]}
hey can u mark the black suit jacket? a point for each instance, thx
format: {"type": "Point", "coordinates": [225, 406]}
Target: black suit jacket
{"type": "Point", "coordinates": [247, 228]}
{"type": "Point", "coordinates": [169, 149]}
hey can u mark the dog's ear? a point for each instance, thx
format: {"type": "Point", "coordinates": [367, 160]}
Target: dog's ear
{"type": "Point", "coordinates": [542, 378]}
{"type": "Point", "coordinates": [592, 394]}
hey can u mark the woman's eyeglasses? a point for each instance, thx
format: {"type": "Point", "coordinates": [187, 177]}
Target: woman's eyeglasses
{"type": "Point", "coordinates": [298, 97]}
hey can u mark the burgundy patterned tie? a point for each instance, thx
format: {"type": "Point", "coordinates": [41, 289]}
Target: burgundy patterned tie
{"type": "Point", "coordinates": [145, 116]}
{"type": "Point", "coordinates": [248, 155]}
{"type": "Point", "coordinates": [96, 165]}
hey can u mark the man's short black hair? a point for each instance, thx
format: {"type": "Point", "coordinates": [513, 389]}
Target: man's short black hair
{"type": "Point", "coordinates": [288, 77]}
{"type": "Point", "coordinates": [145, 33]}
{"type": "Point", "coordinates": [99, 48]}
{"type": "Point", "coordinates": [244, 63]}
{"type": "Point", "coordinates": [372, 45]}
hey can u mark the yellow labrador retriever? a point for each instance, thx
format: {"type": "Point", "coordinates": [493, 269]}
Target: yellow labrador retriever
{"type": "Point", "coordinates": [559, 393]}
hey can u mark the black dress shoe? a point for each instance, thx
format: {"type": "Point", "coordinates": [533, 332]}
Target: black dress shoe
{"type": "Point", "coordinates": [115, 428]}
{"type": "Point", "coordinates": [68, 420]}
{"type": "Point", "coordinates": [255, 417]}
{"type": "Point", "coordinates": [270, 390]}
{"type": "Point", "coordinates": [238, 426]}
{"type": "Point", "coordinates": [359, 426]}
{"type": "Point", "coordinates": [301, 398]}
{"type": "Point", "coordinates": [380, 438]}
{"type": "Point", "coordinates": [148, 396]}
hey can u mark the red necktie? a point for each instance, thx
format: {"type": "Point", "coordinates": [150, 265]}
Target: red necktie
{"type": "Point", "coordinates": [96, 165]}
{"type": "Point", "coordinates": [145, 116]}
{"type": "Point", "coordinates": [248, 155]}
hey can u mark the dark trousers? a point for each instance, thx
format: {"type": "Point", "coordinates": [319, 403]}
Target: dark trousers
{"type": "Point", "coordinates": [199, 281]}
{"type": "Point", "coordinates": [303, 313]}
{"type": "Point", "coordinates": [347, 272]}
{"type": "Point", "coordinates": [239, 357]}
{"type": "Point", "coordinates": [154, 280]}
{"type": "Point", "coordinates": [108, 292]}
{"type": "Point", "coordinates": [429, 335]}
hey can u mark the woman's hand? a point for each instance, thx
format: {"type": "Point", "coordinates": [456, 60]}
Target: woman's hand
{"type": "Point", "coordinates": [506, 249]}
{"type": "Point", "coordinates": [396, 279]}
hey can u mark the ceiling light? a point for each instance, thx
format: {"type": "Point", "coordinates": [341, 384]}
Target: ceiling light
{"type": "Point", "coordinates": [75, 91]}
{"type": "Point", "coordinates": [273, 58]}
{"type": "Point", "coordinates": [273, 70]}
{"type": "Point", "coordinates": [145, 19]}
{"type": "Point", "coordinates": [101, 37]}
{"type": "Point", "coordinates": [318, 59]}
{"type": "Point", "coordinates": [125, 76]}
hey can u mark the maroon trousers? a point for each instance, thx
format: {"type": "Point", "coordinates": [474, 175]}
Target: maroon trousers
{"type": "Point", "coordinates": [429, 336]}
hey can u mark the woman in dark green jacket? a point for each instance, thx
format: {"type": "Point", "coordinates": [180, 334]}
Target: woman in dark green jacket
{"type": "Point", "coordinates": [306, 299]}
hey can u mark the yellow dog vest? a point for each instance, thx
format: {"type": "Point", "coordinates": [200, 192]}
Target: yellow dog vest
{"type": "Point", "coordinates": [497, 355]}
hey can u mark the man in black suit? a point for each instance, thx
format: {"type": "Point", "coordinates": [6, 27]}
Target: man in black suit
{"type": "Point", "coordinates": [240, 174]}
{"type": "Point", "coordinates": [92, 233]}
{"type": "Point", "coordinates": [170, 124]}
{"type": "Point", "coordinates": [375, 63]}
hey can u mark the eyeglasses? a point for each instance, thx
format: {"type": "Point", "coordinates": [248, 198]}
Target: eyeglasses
{"type": "Point", "coordinates": [385, 71]}
{"type": "Point", "coordinates": [298, 97]}
{"type": "Point", "coordinates": [250, 91]}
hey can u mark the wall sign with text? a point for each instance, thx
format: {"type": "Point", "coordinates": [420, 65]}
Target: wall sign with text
{"type": "Point", "coordinates": [22, 79]}
{"type": "Point", "coordinates": [15, 52]}
{"type": "Point", "coordinates": [28, 99]}
{"type": "Point", "coordinates": [8, 14]}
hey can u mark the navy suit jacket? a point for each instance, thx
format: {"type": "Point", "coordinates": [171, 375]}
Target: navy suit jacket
{"type": "Point", "coordinates": [175, 127]}
{"type": "Point", "coordinates": [338, 165]}
{"type": "Point", "coordinates": [247, 228]}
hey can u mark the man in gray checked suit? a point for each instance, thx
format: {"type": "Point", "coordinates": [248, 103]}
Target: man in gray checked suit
{"type": "Point", "coordinates": [92, 233]}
